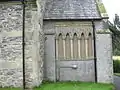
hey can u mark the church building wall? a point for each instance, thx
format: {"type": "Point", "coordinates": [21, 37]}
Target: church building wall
{"type": "Point", "coordinates": [11, 47]}
{"type": "Point", "coordinates": [59, 60]}
{"type": "Point", "coordinates": [104, 52]}
{"type": "Point", "coordinates": [103, 46]}
{"type": "Point", "coordinates": [11, 66]}
{"type": "Point", "coordinates": [104, 58]}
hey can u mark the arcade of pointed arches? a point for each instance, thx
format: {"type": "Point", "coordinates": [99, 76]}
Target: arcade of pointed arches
{"type": "Point", "coordinates": [74, 47]}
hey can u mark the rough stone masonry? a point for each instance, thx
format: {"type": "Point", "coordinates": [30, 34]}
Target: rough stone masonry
{"type": "Point", "coordinates": [11, 14]}
{"type": "Point", "coordinates": [11, 44]}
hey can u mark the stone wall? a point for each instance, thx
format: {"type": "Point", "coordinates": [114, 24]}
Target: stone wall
{"type": "Point", "coordinates": [104, 52]}
{"type": "Point", "coordinates": [56, 69]}
{"type": "Point", "coordinates": [104, 58]}
{"type": "Point", "coordinates": [103, 45]}
{"type": "Point", "coordinates": [11, 45]}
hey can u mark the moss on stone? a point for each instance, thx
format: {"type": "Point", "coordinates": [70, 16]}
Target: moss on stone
{"type": "Point", "coordinates": [29, 2]}
{"type": "Point", "coordinates": [32, 1]}
{"type": "Point", "coordinates": [104, 31]}
{"type": "Point", "coordinates": [101, 8]}
{"type": "Point", "coordinates": [12, 3]}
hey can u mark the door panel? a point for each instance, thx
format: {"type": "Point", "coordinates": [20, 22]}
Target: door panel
{"type": "Point", "coordinates": [76, 70]}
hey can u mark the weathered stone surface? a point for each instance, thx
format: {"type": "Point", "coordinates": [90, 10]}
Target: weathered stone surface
{"type": "Point", "coordinates": [104, 53]}
{"type": "Point", "coordinates": [11, 77]}
{"type": "Point", "coordinates": [103, 49]}
{"type": "Point", "coordinates": [11, 45]}
{"type": "Point", "coordinates": [104, 58]}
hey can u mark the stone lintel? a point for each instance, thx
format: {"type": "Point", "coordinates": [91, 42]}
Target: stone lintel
{"type": "Point", "coordinates": [12, 33]}
{"type": "Point", "coordinates": [11, 64]}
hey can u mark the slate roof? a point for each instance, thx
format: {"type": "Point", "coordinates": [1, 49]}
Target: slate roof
{"type": "Point", "coordinates": [71, 9]}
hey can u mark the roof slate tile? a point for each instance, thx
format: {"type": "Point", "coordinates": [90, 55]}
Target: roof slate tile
{"type": "Point", "coordinates": [71, 9]}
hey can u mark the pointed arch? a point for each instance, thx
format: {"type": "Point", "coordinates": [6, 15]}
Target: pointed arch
{"type": "Point", "coordinates": [82, 46]}
{"type": "Point", "coordinates": [75, 46]}
{"type": "Point", "coordinates": [90, 45]}
{"type": "Point", "coordinates": [60, 46]}
{"type": "Point", "coordinates": [67, 47]}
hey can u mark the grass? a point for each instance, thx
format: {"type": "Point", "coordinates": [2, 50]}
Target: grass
{"type": "Point", "coordinates": [70, 86]}
{"type": "Point", "coordinates": [75, 86]}
{"type": "Point", "coordinates": [117, 74]}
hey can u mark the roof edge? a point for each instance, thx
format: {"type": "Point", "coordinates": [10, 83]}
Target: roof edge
{"type": "Point", "coordinates": [102, 9]}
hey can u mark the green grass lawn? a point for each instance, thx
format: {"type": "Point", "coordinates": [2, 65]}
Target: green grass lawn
{"type": "Point", "coordinates": [75, 86]}
{"type": "Point", "coordinates": [70, 86]}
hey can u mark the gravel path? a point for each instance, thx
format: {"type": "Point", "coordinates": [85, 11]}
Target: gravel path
{"type": "Point", "coordinates": [117, 82]}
